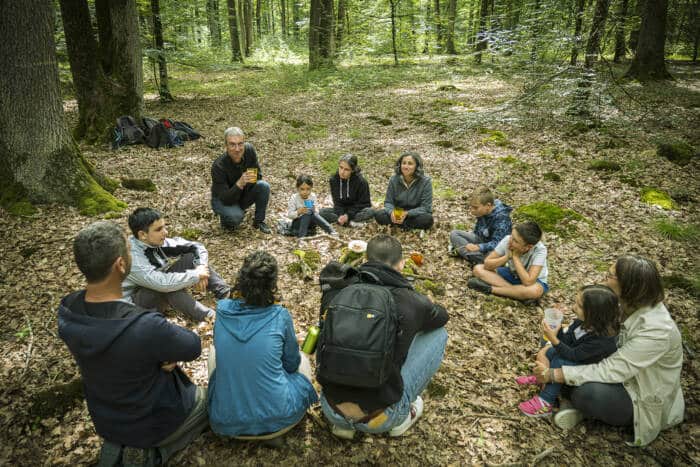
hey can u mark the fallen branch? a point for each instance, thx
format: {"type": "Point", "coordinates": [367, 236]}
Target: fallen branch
{"type": "Point", "coordinates": [31, 345]}
{"type": "Point", "coordinates": [541, 455]}
{"type": "Point", "coordinates": [419, 277]}
{"type": "Point", "coordinates": [323, 235]}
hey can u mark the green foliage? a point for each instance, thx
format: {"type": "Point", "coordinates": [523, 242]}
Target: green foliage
{"type": "Point", "coordinates": [604, 165]}
{"type": "Point", "coordinates": [690, 284]}
{"type": "Point", "coordinates": [495, 137]}
{"type": "Point", "coordinates": [191, 234]}
{"type": "Point", "coordinates": [139, 184]}
{"type": "Point", "coordinates": [425, 286]}
{"type": "Point", "coordinates": [678, 152]}
{"type": "Point", "coordinates": [13, 199]}
{"type": "Point", "coordinates": [673, 230]}
{"type": "Point", "coordinates": [657, 197]}
{"type": "Point", "coordinates": [442, 191]}
{"type": "Point", "coordinates": [461, 226]}
{"type": "Point", "coordinates": [293, 137]}
{"type": "Point", "coordinates": [552, 176]}
{"type": "Point", "coordinates": [505, 188]}
{"type": "Point", "coordinates": [549, 216]}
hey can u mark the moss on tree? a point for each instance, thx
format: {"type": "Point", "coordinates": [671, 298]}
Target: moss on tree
{"type": "Point", "coordinates": [550, 217]}
{"type": "Point", "coordinates": [657, 197]}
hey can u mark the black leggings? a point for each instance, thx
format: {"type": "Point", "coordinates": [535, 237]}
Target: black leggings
{"type": "Point", "coordinates": [421, 221]}
{"type": "Point", "coordinates": [609, 403]}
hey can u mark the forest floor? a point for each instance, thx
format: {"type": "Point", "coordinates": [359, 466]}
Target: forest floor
{"type": "Point", "coordinates": [495, 126]}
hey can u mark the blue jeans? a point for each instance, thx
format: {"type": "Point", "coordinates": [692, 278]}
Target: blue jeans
{"type": "Point", "coordinates": [505, 273]}
{"type": "Point", "coordinates": [231, 216]}
{"type": "Point", "coordinates": [302, 225]}
{"type": "Point", "coordinates": [552, 390]}
{"type": "Point", "coordinates": [423, 360]}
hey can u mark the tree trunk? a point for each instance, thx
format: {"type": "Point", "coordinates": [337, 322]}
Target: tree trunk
{"type": "Point", "coordinates": [321, 34]}
{"type": "Point", "coordinates": [109, 79]}
{"type": "Point", "coordinates": [248, 26]}
{"type": "Point", "coordinates": [258, 18]}
{"type": "Point", "coordinates": [481, 39]}
{"type": "Point", "coordinates": [296, 17]}
{"type": "Point", "coordinates": [339, 25]}
{"type": "Point", "coordinates": [236, 55]}
{"type": "Point", "coordinates": [597, 30]}
{"type": "Point", "coordinates": [283, 17]}
{"type": "Point", "coordinates": [163, 88]}
{"type": "Point", "coordinates": [426, 35]}
{"type": "Point", "coordinates": [451, 18]}
{"type": "Point", "coordinates": [438, 25]}
{"type": "Point", "coordinates": [580, 10]}
{"type": "Point", "coordinates": [39, 161]}
{"type": "Point", "coordinates": [392, 4]}
{"type": "Point", "coordinates": [648, 63]}
{"type": "Point", "coordinates": [620, 47]}
{"type": "Point", "coordinates": [214, 23]}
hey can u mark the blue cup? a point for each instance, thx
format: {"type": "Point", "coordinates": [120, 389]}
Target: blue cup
{"type": "Point", "coordinates": [309, 203]}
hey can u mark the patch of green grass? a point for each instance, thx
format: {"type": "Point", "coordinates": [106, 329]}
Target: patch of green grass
{"type": "Point", "coordinates": [380, 120]}
{"type": "Point", "coordinates": [550, 217]}
{"type": "Point", "coordinates": [604, 165]}
{"type": "Point", "coordinates": [552, 176]}
{"type": "Point", "coordinates": [673, 230]}
{"type": "Point", "coordinates": [505, 188]}
{"type": "Point", "coordinates": [190, 234]}
{"type": "Point", "coordinates": [657, 197]}
{"type": "Point", "coordinates": [484, 156]}
{"type": "Point", "coordinates": [259, 116]}
{"type": "Point", "coordinates": [442, 191]}
{"type": "Point", "coordinates": [496, 137]}
{"type": "Point", "coordinates": [317, 131]}
{"type": "Point", "coordinates": [443, 143]}
{"type": "Point", "coordinates": [293, 137]}
{"type": "Point", "coordinates": [355, 133]}
{"type": "Point", "coordinates": [461, 226]}
{"type": "Point", "coordinates": [690, 284]}
{"type": "Point", "coordinates": [443, 103]}
{"type": "Point", "coordinates": [601, 266]}
{"type": "Point", "coordinates": [510, 160]}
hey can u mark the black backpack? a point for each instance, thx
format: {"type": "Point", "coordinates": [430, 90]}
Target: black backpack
{"type": "Point", "coordinates": [356, 344]}
{"type": "Point", "coordinates": [189, 133]}
{"type": "Point", "coordinates": [161, 136]}
{"type": "Point", "coordinates": [127, 132]}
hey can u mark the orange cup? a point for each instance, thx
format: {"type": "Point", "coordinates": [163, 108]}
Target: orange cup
{"type": "Point", "coordinates": [417, 258]}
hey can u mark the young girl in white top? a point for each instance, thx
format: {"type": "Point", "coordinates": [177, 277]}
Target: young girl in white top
{"type": "Point", "coordinates": [302, 209]}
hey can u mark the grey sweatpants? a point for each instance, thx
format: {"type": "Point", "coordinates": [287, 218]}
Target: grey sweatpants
{"type": "Point", "coordinates": [460, 238]}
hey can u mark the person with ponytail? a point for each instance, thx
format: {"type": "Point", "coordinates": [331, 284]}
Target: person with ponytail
{"type": "Point", "coordinates": [350, 192]}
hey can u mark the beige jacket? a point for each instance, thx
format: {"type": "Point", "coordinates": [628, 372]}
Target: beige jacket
{"type": "Point", "coordinates": [648, 363]}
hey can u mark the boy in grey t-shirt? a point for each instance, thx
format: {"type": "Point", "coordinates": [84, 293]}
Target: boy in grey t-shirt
{"type": "Point", "coordinates": [517, 267]}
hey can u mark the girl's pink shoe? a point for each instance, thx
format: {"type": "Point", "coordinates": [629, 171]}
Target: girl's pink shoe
{"type": "Point", "coordinates": [536, 407]}
{"type": "Point", "coordinates": [524, 380]}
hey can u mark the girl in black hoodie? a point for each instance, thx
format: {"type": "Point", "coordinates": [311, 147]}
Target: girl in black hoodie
{"type": "Point", "coordinates": [350, 192]}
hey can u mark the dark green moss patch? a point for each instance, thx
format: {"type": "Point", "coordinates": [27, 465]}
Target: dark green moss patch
{"type": "Point", "coordinates": [437, 288]}
{"type": "Point", "coordinates": [604, 165]}
{"type": "Point", "coordinates": [496, 137]}
{"type": "Point", "coordinates": [447, 87]}
{"type": "Point", "coordinates": [550, 217]}
{"type": "Point", "coordinates": [437, 390]}
{"type": "Point", "coordinates": [190, 234]}
{"type": "Point", "coordinates": [57, 400]}
{"type": "Point", "coordinates": [14, 200]}
{"type": "Point", "coordinates": [139, 184]}
{"type": "Point", "coordinates": [443, 143]}
{"type": "Point", "coordinates": [678, 152]}
{"type": "Point", "coordinates": [380, 120]}
{"type": "Point", "coordinates": [552, 177]}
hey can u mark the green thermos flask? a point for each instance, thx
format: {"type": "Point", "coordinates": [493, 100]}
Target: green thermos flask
{"type": "Point", "coordinates": [309, 345]}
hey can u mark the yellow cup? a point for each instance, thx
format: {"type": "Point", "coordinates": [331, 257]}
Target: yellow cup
{"type": "Point", "coordinates": [253, 171]}
{"type": "Point", "coordinates": [398, 213]}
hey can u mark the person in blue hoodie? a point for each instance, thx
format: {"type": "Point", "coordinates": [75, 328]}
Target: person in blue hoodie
{"type": "Point", "coordinates": [409, 197]}
{"type": "Point", "coordinates": [142, 404]}
{"type": "Point", "coordinates": [260, 384]}
{"type": "Point", "coordinates": [492, 225]}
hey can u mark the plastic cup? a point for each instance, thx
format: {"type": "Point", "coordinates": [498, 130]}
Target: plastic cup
{"type": "Point", "coordinates": [398, 213]}
{"type": "Point", "coordinates": [253, 171]}
{"type": "Point", "coordinates": [309, 203]}
{"type": "Point", "coordinates": [553, 318]}
{"type": "Point", "coordinates": [417, 258]}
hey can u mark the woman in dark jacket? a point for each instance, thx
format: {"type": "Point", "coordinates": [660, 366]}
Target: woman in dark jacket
{"type": "Point", "coordinates": [409, 196]}
{"type": "Point", "coordinates": [350, 192]}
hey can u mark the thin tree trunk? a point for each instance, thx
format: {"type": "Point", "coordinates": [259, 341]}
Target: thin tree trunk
{"type": "Point", "coordinates": [163, 88]}
{"type": "Point", "coordinates": [393, 3]}
{"type": "Point", "coordinates": [438, 25]}
{"type": "Point", "coordinates": [236, 55]}
{"type": "Point", "coordinates": [451, 18]}
{"type": "Point", "coordinates": [214, 23]}
{"type": "Point", "coordinates": [648, 63]}
{"type": "Point", "coordinates": [426, 36]}
{"type": "Point", "coordinates": [481, 39]}
{"type": "Point", "coordinates": [321, 34]}
{"type": "Point", "coordinates": [248, 27]}
{"type": "Point", "coordinates": [283, 17]}
{"type": "Point", "coordinates": [258, 18]}
{"type": "Point", "coordinates": [620, 47]}
{"type": "Point", "coordinates": [339, 26]}
{"type": "Point", "coordinates": [39, 161]}
{"type": "Point", "coordinates": [597, 30]}
{"type": "Point", "coordinates": [296, 17]}
{"type": "Point", "coordinates": [580, 10]}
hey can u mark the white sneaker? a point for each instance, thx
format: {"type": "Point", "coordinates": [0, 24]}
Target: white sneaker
{"type": "Point", "coordinates": [413, 416]}
{"type": "Point", "coordinates": [566, 419]}
{"type": "Point", "coordinates": [357, 225]}
{"type": "Point", "coordinates": [343, 433]}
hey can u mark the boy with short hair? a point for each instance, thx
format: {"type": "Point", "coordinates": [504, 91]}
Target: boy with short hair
{"type": "Point", "coordinates": [517, 267]}
{"type": "Point", "coordinates": [492, 225]}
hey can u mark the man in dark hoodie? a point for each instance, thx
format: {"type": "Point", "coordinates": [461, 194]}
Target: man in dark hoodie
{"type": "Point", "coordinates": [142, 404]}
{"type": "Point", "coordinates": [420, 344]}
{"type": "Point", "coordinates": [350, 192]}
{"type": "Point", "coordinates": [492, 225]}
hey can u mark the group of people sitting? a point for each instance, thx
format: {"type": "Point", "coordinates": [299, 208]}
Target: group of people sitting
{"type": "Point", "coordinates": [619, 362]}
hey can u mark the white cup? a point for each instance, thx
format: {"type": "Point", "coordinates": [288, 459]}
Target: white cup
{"type": "Point", "coordinates": [553, 317]}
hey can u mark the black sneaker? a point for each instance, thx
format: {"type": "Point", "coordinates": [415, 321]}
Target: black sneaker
{"type": "Point", "coordinates": [262, 226]}
{"type": "Point", "coordinates": [479, 285]}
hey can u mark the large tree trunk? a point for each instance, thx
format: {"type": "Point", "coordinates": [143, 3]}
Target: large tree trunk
{"type": "Point", "coordinates": [236, 55]}
{"type": "Point", "coordinates": [648, 63]}
{"type": "Point", "coordinates": [108, 80]}
{"type": "Point", "coordinates": [339, 25]}
{"type": "Point", "coordinates": [248, 15]}
{"type": "Point", "coordinates": [321, 34]}
{"type": "Point", "coordinates": [481, 39]}
{"type": "Point", "coordinates": [39, 161]}
{"type": "Point", "coordinates": [258, 18]}
{"type": "Point", "coordinates": [214, 23]}
{"type": "Point", "coordinates": [597, 29]}
{"type": "Point", "coordinates": [620, 47]}
{"type": "Point", "coordinates": [580, 9]}
{"type": "Point", "coordinates": [163, 88]}
{"type": "Point", "coordinates": [451, 18]}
